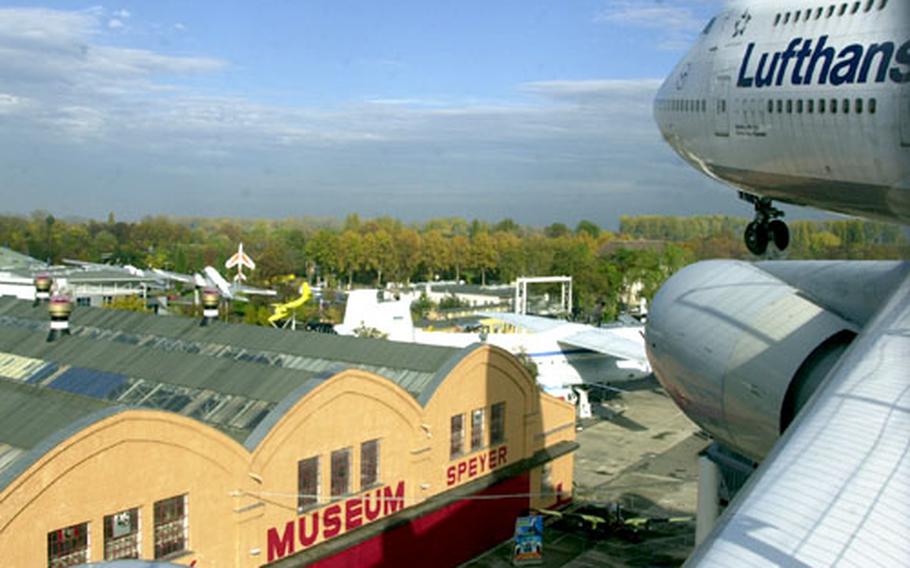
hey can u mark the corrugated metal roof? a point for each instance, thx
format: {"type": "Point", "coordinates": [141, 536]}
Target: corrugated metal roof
{"type": "Point", "coordinates": [366, 353]}
{"type": "Point", "coordinates": [12, 260]}
{"type": "Point", "coordinates": [29, 414]}
{"type": "Point", "coordinates": [231, 377]}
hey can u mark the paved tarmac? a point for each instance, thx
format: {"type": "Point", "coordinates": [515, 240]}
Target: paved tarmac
{"type": "Point", "coordinates": [640, 452]}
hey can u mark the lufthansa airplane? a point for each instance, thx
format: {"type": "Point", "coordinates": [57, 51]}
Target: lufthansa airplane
{"type": "Point", "coordinates": [801, 367]}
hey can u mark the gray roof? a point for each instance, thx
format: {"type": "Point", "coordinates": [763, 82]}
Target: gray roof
{"type": "Point", "coordinates": [237, 378]}
{"type": "Point", "coordinates": [11, 260]}
{"type": "Point", "coordinates": [18, 264]}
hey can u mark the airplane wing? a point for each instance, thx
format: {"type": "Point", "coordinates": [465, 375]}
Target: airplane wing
{"type": "Point", "coordinates": [835, 490]}
{"type": "Point", "coordinates": [608, 342]}
{"type": "Point", "coordinates": [602, 340]}
{"type": "Point", "coordinates": [85, 264]}
{"type": "Point", "coordinates": [176, 276]}
{"type": "Point", "coordinates": [250, 290]}
{"type": "Point", "coordinates": [534, 324]}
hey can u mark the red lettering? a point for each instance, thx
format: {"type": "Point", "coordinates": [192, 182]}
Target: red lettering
{"type": "Point", "coordinates": [492, 459]}
{"type": "Point", "coordinates": [280, 546]}
{"type": "Point", "coordinates": [372, 513]}
{"type": "Point", "coordinates": [331, 520]}
{"type": "Point", "coordinates": [352, 513]}
{"type": "Point", "coordinates": [462, 469]}
{"type": "Point", "coordinates": [483, 461]}
{"type": "Point", "coordinates": [394, 502]}
{"type": "Point", "coordinates": [450, 475]}
{"type": "Point", "coordinates": [472, 467]}
{"type": "Point", "coordinates": [502, 455]}
{"type": "Point", "coordinates": [308, 539]}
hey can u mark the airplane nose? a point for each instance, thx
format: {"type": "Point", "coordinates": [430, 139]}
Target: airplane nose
{"type": "Point", "coordinates": [661, 108]}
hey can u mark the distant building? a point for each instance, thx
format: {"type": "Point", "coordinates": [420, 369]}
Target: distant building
{"type": "Point", "coordinates": [468, 294]}
{"type": "Point", "coordinates": [90, 285]}
{"type": "Point", "coordinates": [235, 445]}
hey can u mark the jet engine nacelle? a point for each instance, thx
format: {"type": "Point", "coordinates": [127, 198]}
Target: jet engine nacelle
{"type": "Point", "coordinates": [740, 350]}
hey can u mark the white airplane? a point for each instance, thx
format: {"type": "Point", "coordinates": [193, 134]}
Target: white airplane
{"type": "Point", "coordinates": [240, 259]}
{"type": "Point", "coordinates": [567, 355]}
{"type": "Point", "coordinates": [802, 366]}
{"type": "Point", "coordinates": [211, 278]}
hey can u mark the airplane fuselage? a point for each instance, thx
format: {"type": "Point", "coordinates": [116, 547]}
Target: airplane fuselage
{"type": "Point", "coordinates": [802, 102]}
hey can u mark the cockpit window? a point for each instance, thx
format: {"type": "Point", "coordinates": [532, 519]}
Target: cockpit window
{"type": "Point", "coordinates": [707, 29]}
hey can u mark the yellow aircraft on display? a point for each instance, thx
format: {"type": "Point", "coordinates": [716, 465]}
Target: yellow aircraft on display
{"type": "Point", "coordinates": [286, 311]}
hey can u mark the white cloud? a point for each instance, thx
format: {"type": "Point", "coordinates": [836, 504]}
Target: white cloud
{"type": "Point", "coordinates": [646, 15]}
{"type": "Point", "coordinates": [10, 104]}
{"type": "Point", "coordinates": [122, 14]}
{"type": "Point", "coordinates": [676, 21]}
{"type": "Point", "coordinates": [114, 24]}
{"type": "Point", "coordinates": [60, 83]}
{"type": "Point", "coordinates": [179, 27]}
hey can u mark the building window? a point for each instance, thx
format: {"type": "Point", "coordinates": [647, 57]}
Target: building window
{"type": "Point", "coordinates": [787, 17]}
{"type": "Point", "coordinates": [770, 106]}
{"type": "Point", "coordinates": [858, 106]}
{"type": "Point", "coordinates": [498, 423]}
{"type": "Point", "coordinates": [121, 535]}
{"type": "Point", "coordinates": [457, 443]}
{"type": "Point", "coordinates": [872, 106]}
{"type": "Point", "coordinates": [821, 106]}
{"type": "Point", "coordinates": [341, 472]}
{"type": "Point", "coordinates": [830, 11]}
{"type": "Point", "coordinates": [855, 8]}
{"type": "Point", "coordinates": [777, 19]}
{"type": "Point", "coordinates": [799, 106]}
{"type": "Point", "coordinates": [67, 547]}
{"type": "Point", "coordinates": [780, 106]}
{"type": "Point", "coordinates": [818, 13]}
{"type": "Point", "coordinates": [369, 463]}
{"type": "Point", "coordinates": [810, 106]}
{"type": "Point", "coordinates": [845, 108]}
{"type": "Point", "coordinates": [477, 438]}
{"type": "Point", "coordinates": [307, 483]}
{"type": "Point", "coordinates": [789, 106]}
{"type": "Point", "coordinates": [833, 106]}
{"type": "Point", "coordinates": [869, 4]}
{"type": "Point", "coordinates": [843, 9]}
{"type": "Point", "coordinates": [170, 526]}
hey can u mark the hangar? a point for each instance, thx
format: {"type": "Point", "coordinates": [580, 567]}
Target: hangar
{"type": "Point", "coordinates": [137, 436]}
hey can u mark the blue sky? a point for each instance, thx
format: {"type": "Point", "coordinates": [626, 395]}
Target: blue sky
{"type": "Point", "coordinates": [535, 110]}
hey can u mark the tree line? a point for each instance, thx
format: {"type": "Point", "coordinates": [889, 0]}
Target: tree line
{"type": "Point", "coordinates": [372, 252]}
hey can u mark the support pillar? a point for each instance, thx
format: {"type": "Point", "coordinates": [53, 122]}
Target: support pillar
{"type": "Point", "coordinates": [708, 500]}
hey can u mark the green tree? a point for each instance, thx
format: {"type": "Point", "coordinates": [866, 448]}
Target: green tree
{"type": "Point", "coordinates": [379, 253]}
{"type": "Point", "coordinates": [556, 230]}
{"type": "Point", "coordinates": [350, 254]}
{"type": "Point", "coordinates": [436, 253]}
{"type": "Point", "coordinates": [482, 255]}
{"type": "Point", "coordinates": [587, 227]}
{"type": "Point", "coordinates": [323, 250]}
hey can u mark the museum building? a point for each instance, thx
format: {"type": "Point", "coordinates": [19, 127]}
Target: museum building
{"type": "Point", "coordinates": [128, 435]}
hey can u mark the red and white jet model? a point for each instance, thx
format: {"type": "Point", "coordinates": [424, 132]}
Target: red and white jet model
{"type": "Point", "coordinates": [240, 259]}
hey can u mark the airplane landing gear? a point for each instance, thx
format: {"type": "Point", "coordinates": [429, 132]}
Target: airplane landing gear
{"type": "Point", "coordinates": [766, 227]}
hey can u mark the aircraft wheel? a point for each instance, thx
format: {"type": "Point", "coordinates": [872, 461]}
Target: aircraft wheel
{"type": "Point", "coordinates": [756, 238]}
{"type": "Point", "coordinates": [780, 234]}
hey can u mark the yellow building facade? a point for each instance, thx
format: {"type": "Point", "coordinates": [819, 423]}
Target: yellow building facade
{"type": "Point", "coordinates": [347, 468]}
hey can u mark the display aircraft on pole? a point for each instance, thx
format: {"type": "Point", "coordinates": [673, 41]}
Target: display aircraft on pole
{"type": "Point", "coordinates": [801, 366]}
{"type": "Point", "coordinates": [240, 259]}
{"type": "Point", "coordinates": [211, 278]}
